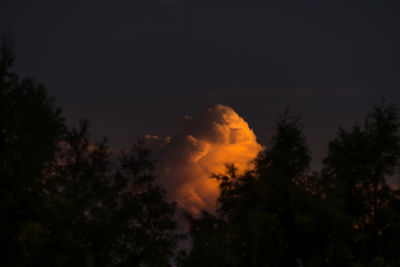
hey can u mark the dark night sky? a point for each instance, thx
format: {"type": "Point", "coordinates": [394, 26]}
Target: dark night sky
{"type": "Point", "coordinates": [137, 67]}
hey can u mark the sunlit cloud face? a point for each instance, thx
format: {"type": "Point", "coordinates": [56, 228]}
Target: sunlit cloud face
{"type": "Point", "coordinates": [202, 147]}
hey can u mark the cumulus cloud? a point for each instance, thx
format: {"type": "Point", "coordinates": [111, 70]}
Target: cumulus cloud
{"type": "Point", "coordinates": [202, 147]}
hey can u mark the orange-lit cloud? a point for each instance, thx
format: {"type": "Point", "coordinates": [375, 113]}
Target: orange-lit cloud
{"type": "Point", "coordinates": [203, 146]}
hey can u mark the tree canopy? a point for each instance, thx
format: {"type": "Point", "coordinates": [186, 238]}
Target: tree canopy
{"type": "Point", "coordinates": [69, 200]}
{"type": "Point", "coordinates": [281, 214]}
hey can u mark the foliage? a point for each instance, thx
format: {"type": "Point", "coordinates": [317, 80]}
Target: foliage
{"type": "Point", "coordinates": [30, 127]}
{"type": "Point", "coordinates": [69, 201]}
{"type": "Point", "coordinates": [108, 217]}
{"type": "Point", "coordinates": [280, 214]}
{"type": "Point", "coordinates": [356, 173]}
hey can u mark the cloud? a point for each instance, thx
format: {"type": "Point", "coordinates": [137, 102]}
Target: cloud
{"type": "Point", "coordinates": [202, 147]}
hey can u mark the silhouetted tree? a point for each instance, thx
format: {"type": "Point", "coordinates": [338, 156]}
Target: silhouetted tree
{"type": "Point", "coordinates": [106, 216]}
{"type": "Point", "coordinates": [30, 127]}
{"type": "Point", "coordinates": [267, 216]}
{"type": "Point", "coordinates": [356, 170]}
{"type": "Point", "coordinates": [64, 200]}
{"type": "Point", "coordinates": [210, 242]}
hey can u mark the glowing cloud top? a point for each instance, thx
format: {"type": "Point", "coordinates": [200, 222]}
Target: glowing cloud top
{"type": "Point", "coordinates": [202, 147]}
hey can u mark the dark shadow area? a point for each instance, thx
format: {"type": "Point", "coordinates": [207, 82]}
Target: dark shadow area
{"type": "Point", "coordinates": [65, 202]}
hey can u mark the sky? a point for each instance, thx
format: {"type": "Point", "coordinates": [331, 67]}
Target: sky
{"type": "Point", "coordinates": [138, 67]}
